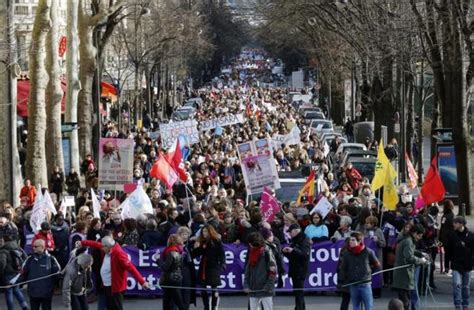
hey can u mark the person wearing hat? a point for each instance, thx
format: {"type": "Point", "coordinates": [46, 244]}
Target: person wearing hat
{"type": "Point", "coordinates": [298, 255]}
{"type": "Point", "coordinates": [460, 250]}
{"type": "Point", "coordinates": [45, 235]}
{"type": "Point", "coordinates": [77, 282]}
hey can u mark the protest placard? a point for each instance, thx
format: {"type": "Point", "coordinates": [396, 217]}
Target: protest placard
{"type": "Point", "coordinates": [323, 207]}
{"type": "Point", "coordinates": [292, 138]}
{"type": "Point", "coordinates": [171, 131]}
{"type": "Point", "coordinates": [115, 163]}
{"type": "Point", "coordinates": [222, 121]}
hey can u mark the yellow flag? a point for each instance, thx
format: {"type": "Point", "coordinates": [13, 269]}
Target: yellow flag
{"type": "Point", "coordinates": [390, 195]}
{"type": "Point", "coordinates": [381, 168]}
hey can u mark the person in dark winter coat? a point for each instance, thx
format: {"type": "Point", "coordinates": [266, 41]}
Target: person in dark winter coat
{"type": "Point", "coordinates": [357, 264]}
{"type": "Point", "coordinates": [460, 250]}
{"type": "Point", "coordinates": [152, 237]}
{"type": "Point", "coordinates": [77, 282]}
{"type": "Point", "coordinates": [404, 278]}
{"type": "Point", "coordinates": [274, 245]}
{"type": "Point", "coordinates": [57, 181]}
{"type": "Point", "coordinates": [344, 291]}
{"type": "Point", "coordinates": [446, 230]}
{"type": "Point", "coordinates": [60, 231]}
{"type": "Point", "coordinates": [209, 247]}
{"type": "Point", "coordinates": [73, 183]}
{"type": "Point", "coordinates": [40, 264]}
{"type": "Point", "coordinates": [171, 272]}
{"type": "Point", "coordinates": [260, 273]}
{"type": "Point", "coordinates": [8, 270]}
{"type": "Point", "coordinates": [298, 256]}
{"type": "Point", "coordinates": [189, 269]}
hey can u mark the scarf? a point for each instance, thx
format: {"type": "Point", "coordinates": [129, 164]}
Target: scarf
{"type": "Point", "coordinates": [254, 255]}
{"type": "Point", "coordinates": [357, 249]}
{"type": "Point", "coordinates": [175, 248]}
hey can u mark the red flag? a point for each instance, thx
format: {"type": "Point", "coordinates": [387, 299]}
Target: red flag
{"type": "Point", "coordinates": [162, 170]}
{"type": "Point", "coordinates": [433, 188]}
{"type": "Point", "coordinates": [412, 175]}
{"type": "Point", "coordinates": [269, 205]}
{"type": "Point", "coordinates": [175, 159]}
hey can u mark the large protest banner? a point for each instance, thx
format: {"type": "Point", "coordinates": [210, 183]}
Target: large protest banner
{"type": "Point", "coordinates": [322, 274]}
{"type": "Point", "coordinates": [226, 120]}
{"type": "Point", "coordinates": [115, 163]}
{"type": "Point", "coordinates": [171, 131]}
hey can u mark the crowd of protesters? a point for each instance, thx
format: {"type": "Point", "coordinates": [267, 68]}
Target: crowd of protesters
{"type": "Point", "coordinates": [194, 219]}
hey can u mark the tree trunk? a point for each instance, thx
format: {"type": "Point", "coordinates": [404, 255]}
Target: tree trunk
{"type": "Point", "coordinates": [460, 125]}
{"type": "Point", "coordinates": [54, 94]}
{"type": "Point", "coordinates": [73, 84]}
{"type": "Point", "coordinates": [88, 65]}
{"type": "Point", "coordinates": [410, 121]}
{"type": "Point", "coordinates": [381, 94]}
{"type": "Point", "coordinates": [36, 154]}
{"type": "Point", "coordinates": [10, 175]}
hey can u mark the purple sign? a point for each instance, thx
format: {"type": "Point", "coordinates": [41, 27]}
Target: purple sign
{"type": "Point", "coordinates": [321, 276]}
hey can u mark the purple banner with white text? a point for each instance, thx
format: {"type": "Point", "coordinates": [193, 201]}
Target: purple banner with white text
{"type": "Point", "coordinates": [321, 276]}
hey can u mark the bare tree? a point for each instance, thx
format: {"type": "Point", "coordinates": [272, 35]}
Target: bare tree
{"type": "Point", "coordinates": [100, 15]}
{"type": "Point", "coordinates": [73, 84]}
{"type": "Point", "coordinates": [10, 176]}
{"type": "Point", "coordinates": [36, 154]}
{"type": "Point", "coordinates": [54, 95]}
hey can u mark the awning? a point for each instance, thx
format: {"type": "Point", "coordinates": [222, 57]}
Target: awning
{"type": "Point", "coordinates": [109, 91]}
{"type": "Point", "coordinates": [23, 91]}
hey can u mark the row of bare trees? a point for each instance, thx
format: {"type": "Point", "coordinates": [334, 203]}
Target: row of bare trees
{"type": "Point", "coordinates": [390, 44]}
{"type": "Point", "coordinates": [164, 40]}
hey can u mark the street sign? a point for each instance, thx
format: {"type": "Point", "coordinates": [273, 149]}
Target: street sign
{"type": "Point", "coordinates": [68, 127]}
{"type": "Point", "coordinates": [396, 128]}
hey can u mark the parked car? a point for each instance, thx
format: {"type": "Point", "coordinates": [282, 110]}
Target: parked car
{"type": "Point", "coordinates": [345, 147]}
{"type": "Point", "coordinates": [183, 113]}
{"type": "Point", "coordinates": [365, 166]}
{"type": "Point", "coordinates": [350, 155]}
{"type": "Point", "coordinates": [193, 102]}
{"type": "Point", "coordinates": [309, 116]}
{"type": "Point", "coordinates": [320, 126]}
{"type": "Point", "coordinates": [362, 131]}
{"type": "Point", "coordinates": [303, 109]}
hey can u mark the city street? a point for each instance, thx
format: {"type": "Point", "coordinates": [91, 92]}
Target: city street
{"type": "Point", "coordinates": [442, 300]}
{"type": "Point", "coordinates": [242, 145]}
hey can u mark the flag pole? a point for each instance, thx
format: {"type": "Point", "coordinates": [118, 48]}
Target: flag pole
{"type": "Point", "coordinates": [187, 199]}
{"type": "Point", "coordinates": [379, 206]}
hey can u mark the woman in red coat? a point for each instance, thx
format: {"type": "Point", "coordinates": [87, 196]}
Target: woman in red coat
{"type": "Point", "coordinates": [114, 270]}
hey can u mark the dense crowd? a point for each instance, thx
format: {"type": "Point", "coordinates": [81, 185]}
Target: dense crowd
{"type": "Point", "coordinates": [194, 219]}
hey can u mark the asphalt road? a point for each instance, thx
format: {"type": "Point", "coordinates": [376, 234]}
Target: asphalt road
{"type": "Point", "coordinates": [442, 300]}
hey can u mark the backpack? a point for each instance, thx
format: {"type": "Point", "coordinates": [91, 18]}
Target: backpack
{"type": "Point", "coordinates": [18, 257]}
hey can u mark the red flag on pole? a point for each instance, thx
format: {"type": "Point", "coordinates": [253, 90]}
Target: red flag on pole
{"type": "Point", "coordinates": [412, 175]}
{"type": "Point", "coordinates": [162, 170]}
{"type": "Point", "coordinates": [175, 159]}
{"type": "Point", "coordinates": [433, 188]}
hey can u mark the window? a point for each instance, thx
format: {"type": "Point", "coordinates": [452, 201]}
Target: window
{"type": "Point", "coordinates": [21, 10]}
{"type": "Point", "coordinates": [33, 10]}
